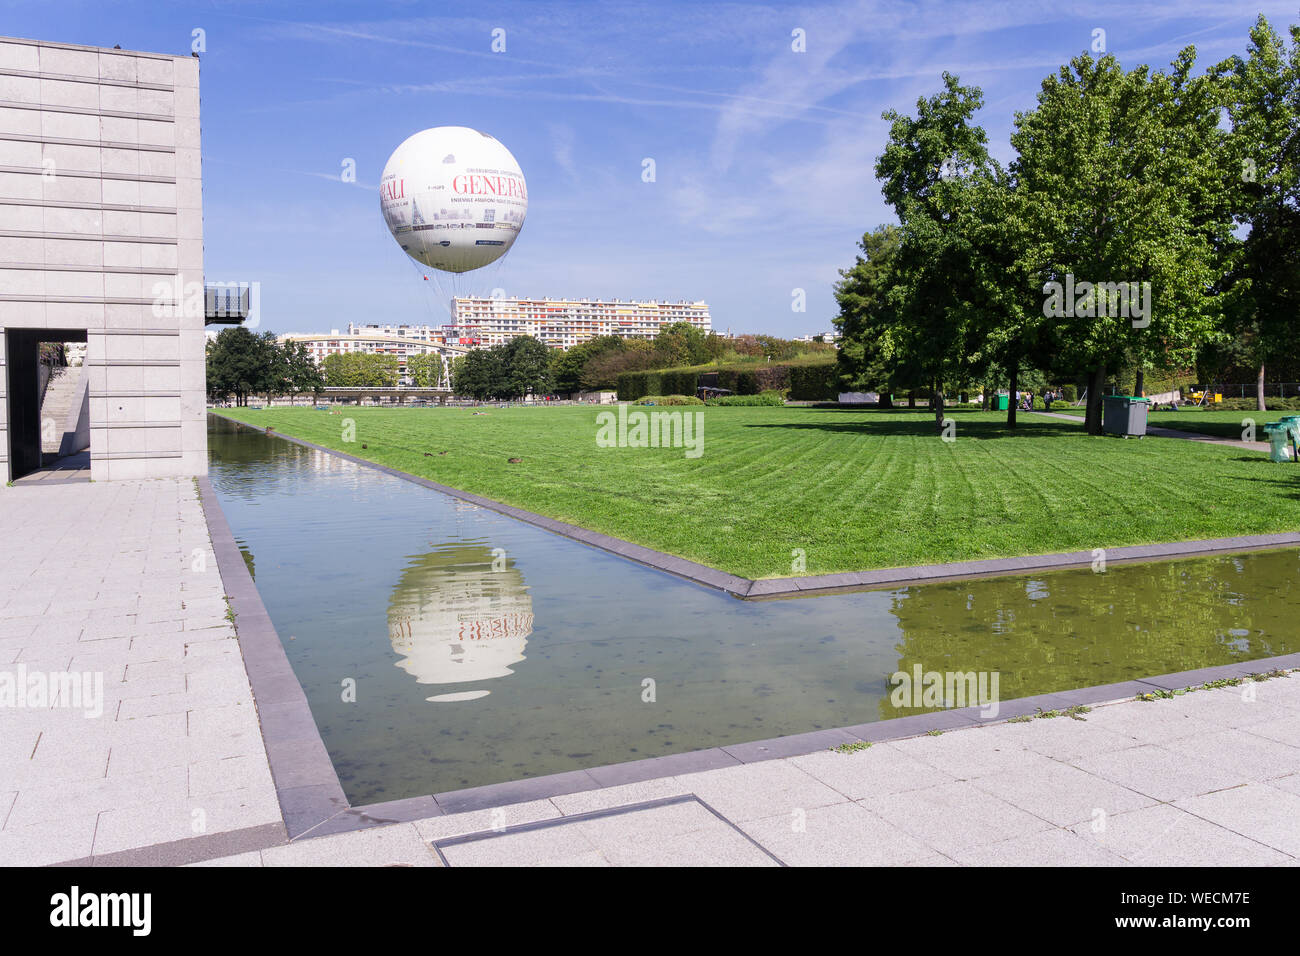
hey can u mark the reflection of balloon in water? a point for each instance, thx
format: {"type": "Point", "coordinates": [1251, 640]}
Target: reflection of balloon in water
{"type": "Point", "coordinates": [453, 198]}
{"type": "Point", "coordinates": [454, 619]}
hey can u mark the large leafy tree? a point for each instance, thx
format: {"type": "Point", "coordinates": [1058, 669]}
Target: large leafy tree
{"type": "Point", "coordinates": [867, 313]}
{"type": "Point", "coordinates": [510, 370]}
{"type": "Point", "coordinates": [239, 364]}
{"type": "Point", "coordinates": [617, 355]}
{"type": "Point", "coordinates": [425, 370]}
{"type": "Point", "coordinates": [680, 344]}
{"type": "Point", "coordinates": [567, 365]}
{"type": "Point", "coordinates": [360, 370]}
{"type": "Point", "coordinates": [526, 367]}
{"type": "Point", "coordinates": [1263, 104]}
{"type": "Point", "coordinates": [1119, 178]}
{"type": "Point", "coordinates": [302, 373]}
{"type": "Point", "coordinates": [478, 375]}
{"type": "Point", "coordinates": [929, 172]}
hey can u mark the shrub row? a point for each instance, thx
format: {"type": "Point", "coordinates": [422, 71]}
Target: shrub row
{"type": "Point", "coordinates": [769, 397]}
{"type": "Point", "coordinates": [804, 382]}
{"type": "Point", "coordinates": [669, 400]}
{"type": "Point", "coordinates": [814, 383]}
{"type": "Point", "coordinates": [1248, 404]}
{"type": "Point", "coordinates": [666, 381]}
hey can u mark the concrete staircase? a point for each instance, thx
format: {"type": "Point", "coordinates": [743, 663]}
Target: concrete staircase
{"type": "Point", "coordinates": [59, 396]}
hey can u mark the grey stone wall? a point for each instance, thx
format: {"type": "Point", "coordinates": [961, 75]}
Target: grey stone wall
{"type": "Point", "coordinates": [100, 202]}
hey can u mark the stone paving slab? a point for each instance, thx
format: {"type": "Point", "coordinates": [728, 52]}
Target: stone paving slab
{"type": "Point", "coordinates": [118, 584]}
{"type": "Point", "coordinates": [1130, 783]}
{"type": "Point", "coordinates": [1167, 835]}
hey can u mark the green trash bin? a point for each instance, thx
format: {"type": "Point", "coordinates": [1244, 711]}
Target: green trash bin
{"type": "Point", "coordinates": [1001, 402]}
{"type": "Point", "coordinates": [1292, 425]}
{"type": "Point", "coordinates": [1124, 415]}
{"type": "Point", "coordinates": [1279, 441]}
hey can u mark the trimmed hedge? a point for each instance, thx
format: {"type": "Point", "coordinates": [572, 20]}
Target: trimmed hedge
{"type": "Point", "coordinates": [809, 383]}
{"type": "Point", "coordinates": [665, 381]}
{"type": "Point", "coordinates": [740, 381]}
{"type": "Point", "coordinates": [769, 397]}
{"type": "Point", "coordinates": [1274, 404]}
{"type": "Point", "coordinates": [669, 400]}
{"type": "Point", "coordinates": [814, 383]}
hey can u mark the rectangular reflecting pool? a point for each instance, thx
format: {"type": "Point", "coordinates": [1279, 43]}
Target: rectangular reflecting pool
{"type": "Point", "coordinates": [442, 645]}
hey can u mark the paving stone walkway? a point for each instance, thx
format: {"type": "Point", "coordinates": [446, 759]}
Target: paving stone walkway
{"type": "Point", "coordinates": [130, 721]}
{"type": "Point", "coordinates": [1209, 778]}
{"type": "Point", "coordinates": [1158, 432]}
{"type": "Point", "coordinates": [75, 467]}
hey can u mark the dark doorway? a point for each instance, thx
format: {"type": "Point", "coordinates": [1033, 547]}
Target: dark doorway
{"type": "Point", "coordinates": [22, 364]}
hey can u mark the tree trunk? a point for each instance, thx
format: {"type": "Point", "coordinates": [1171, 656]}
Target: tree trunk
{"type": "Point", "coordinates": [1259, 390]}
{"type": "Point", "coordinates": [1139, 384]}
{"type": "Point", "coordinates": [936, 400]}
{"type": "Point", "coordinates": [1092, 417]}
{"type": "Point", "coordinates": [1013, 385]}
{"type": "Point", "coordinates": [911, 399]}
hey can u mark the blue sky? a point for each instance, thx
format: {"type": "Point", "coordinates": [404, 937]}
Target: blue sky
{"type": "Point", "coordinates": [763, 156]}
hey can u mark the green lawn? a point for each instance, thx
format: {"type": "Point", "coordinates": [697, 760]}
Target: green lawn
{"type": "Point", "coordinates": [853, 489]}
{"type": "Point", "coordinates": [1225, 424]}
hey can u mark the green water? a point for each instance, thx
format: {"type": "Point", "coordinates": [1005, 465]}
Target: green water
{"type": "Point", "coordinates": [482, 649]}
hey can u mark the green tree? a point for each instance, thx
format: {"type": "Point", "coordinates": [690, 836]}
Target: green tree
{"type": "Point", "coordinates": [611, 357]}
{"type": "Point", "coordinates": [1119, 178]}
{"type": "Point", "coordinates": [680, 344]}
{"type": "Point", "coordinates": [478, 374]}
{"type": "Point", "coordinates": [238, 364]}
{"type": "Point", "coordinates": [525, 367]}
{"type": "Point", "coordinates": [303, 374]}
{"type": "Point", "coordinates": [567, 365]}
{"type": "Point", "coordinates": [1263, 104]}
{"type": "Point", "coordinates": [929, 171]}
{"type": "Point", "coordinates": [867, 313]}
{"type": "Point", "coordinates": [342, 370]}
{"type": "Point", "coordinates": [425, 370]}
{"type": "Point", "coordinates": [360, 370]}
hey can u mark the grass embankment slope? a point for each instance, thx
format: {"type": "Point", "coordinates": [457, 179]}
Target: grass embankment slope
{"type": "Point", "coordinates": [853, 489]}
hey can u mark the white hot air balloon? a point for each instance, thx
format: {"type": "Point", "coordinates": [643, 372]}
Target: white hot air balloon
{"type": "Point", "coordinates": [453, 198]}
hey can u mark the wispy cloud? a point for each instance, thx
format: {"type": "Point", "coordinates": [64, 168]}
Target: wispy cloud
{"type": "Point", "coordinates": [765, 156]}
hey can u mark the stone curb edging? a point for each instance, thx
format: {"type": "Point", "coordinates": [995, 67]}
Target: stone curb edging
{"type": "Point", "coordinates": [843, 581]}
{"type": "Point", "coordinates": [306, 783]}
{"type": "Point", "coordinates": [194, 849]}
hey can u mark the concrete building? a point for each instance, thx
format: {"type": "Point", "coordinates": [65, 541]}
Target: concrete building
{"type": "Point", "coordinates": [101, 242]}
{"type": "Point", "coordinates": [481, 322]}
{"type": "Point", "coordinates": [321, 346]}
{"type": "Point", "coordinates": [828, 337]}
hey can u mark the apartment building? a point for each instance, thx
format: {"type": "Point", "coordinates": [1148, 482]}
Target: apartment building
{"type": "Point", "coordinates": [481, 322]}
